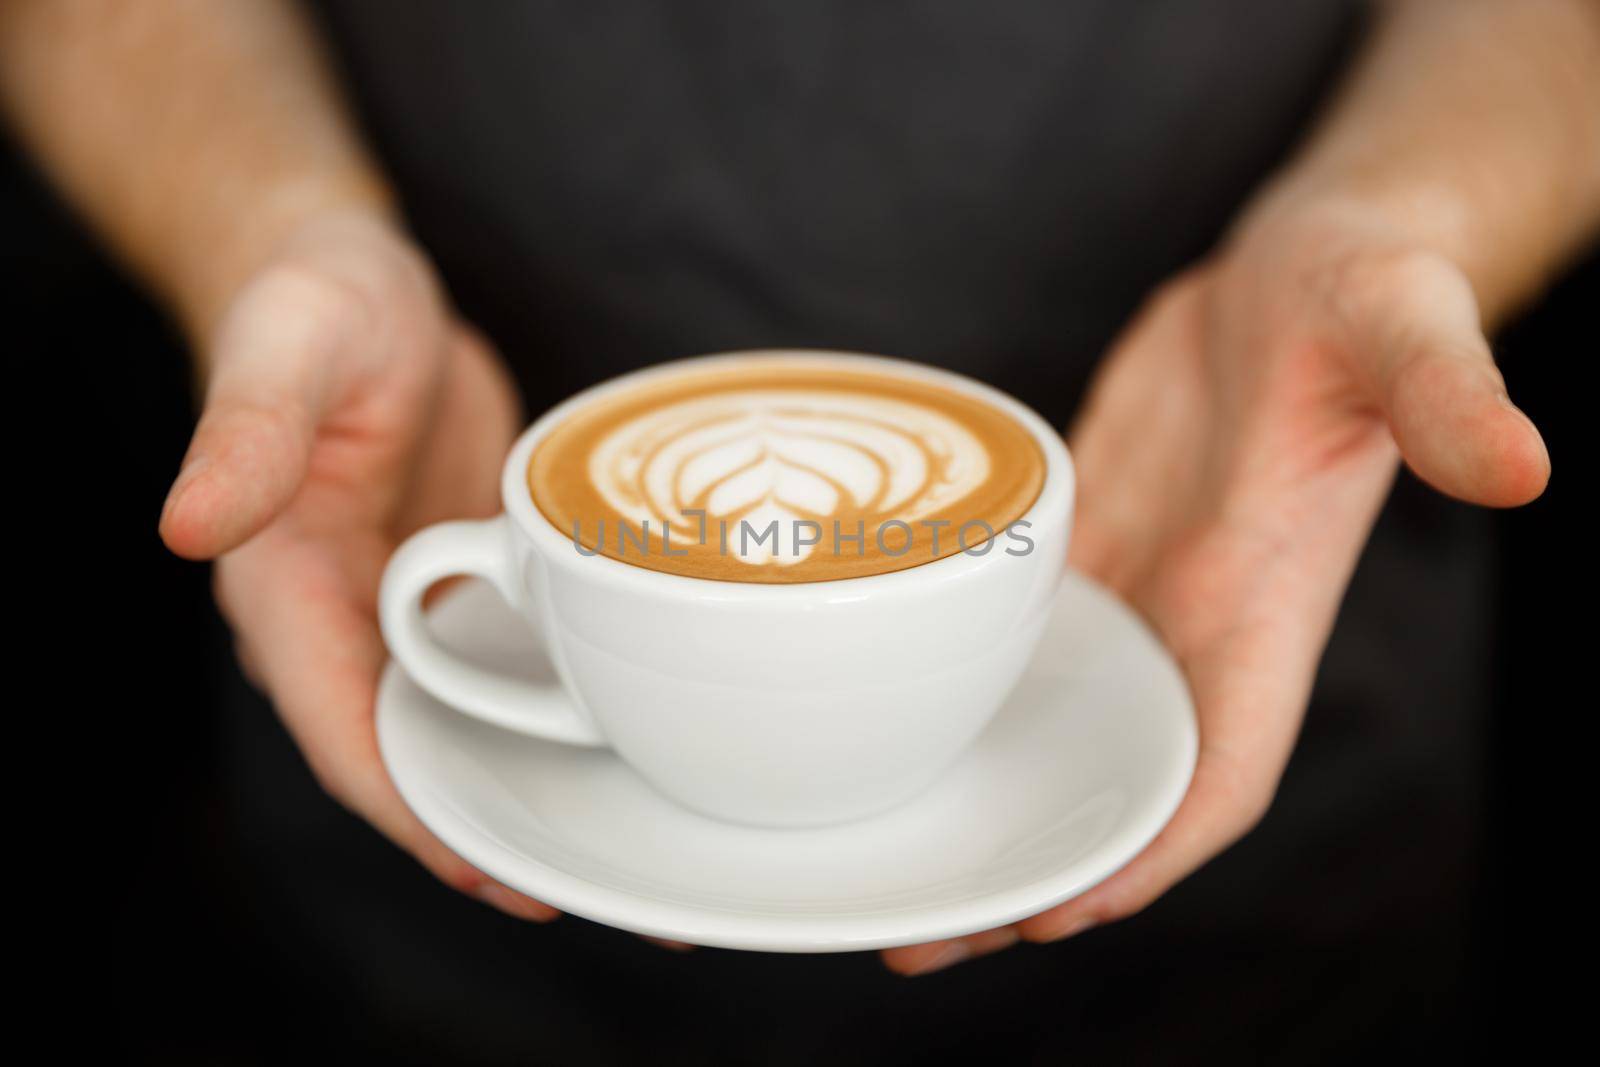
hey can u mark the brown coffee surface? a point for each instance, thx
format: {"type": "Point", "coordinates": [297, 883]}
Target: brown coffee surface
{"type": "Point", "coordinates": [780, 470]}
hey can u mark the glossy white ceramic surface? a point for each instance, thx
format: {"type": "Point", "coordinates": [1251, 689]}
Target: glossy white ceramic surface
{"type": "Point", "coordinates": [1082, 766]}
{"type": "Point", "coordinates": [778, 705]}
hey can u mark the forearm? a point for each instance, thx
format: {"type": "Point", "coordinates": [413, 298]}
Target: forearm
{"type": "Point", "coordinates": [191, 134]}
{"type": "Point", "coordinates": [1475, 125]}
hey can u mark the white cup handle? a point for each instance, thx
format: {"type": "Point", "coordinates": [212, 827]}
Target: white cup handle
{"type": "Point", "coordinates": [482, 549]}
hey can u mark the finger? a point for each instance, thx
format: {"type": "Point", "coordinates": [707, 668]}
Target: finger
{"type": "Point", "coordinates": [1216, 812]}
{"type": "Point", "coordinates": [514, 904]}
{"type": "Point", "coordinates": [320, 656]}
{"type": "Point", "coordinates": [273, 363]}
{"type": "Point", "coordinates": [934, 956]}
{"type": "Point", "coordinates": [1249, 694]}
{"type": "Point", "coordinates": [1415, 321]}
{"type": "Point", "coordinates": [668, 944]}
{"type": "Point", "coordinates": [1132, 433]}
{"type": "Point", "coordinates": [464, 480]}
{"type": "Point", "coordinates": [1250, 689]}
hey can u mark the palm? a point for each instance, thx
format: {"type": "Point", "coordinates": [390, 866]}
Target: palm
{"type": "Point", "coordinates": [1232, 513]}
{"type": "Point", "coordinates": [390, 465]}
{"type": "Point", "coordinates": [375, 472]}
{"type": "Point", "coordinates": [1232, 457]}
{"type": "Point", "coordinates": [347, 409]}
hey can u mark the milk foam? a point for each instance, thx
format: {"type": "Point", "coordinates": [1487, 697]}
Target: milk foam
{"type": "Point", "coordinates": [772, 470]}
{"type": "Point", "coordinates": [764, 456]}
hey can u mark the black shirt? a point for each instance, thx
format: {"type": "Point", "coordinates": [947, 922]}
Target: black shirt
{"type": "Point", "coordinates": [990, 187]}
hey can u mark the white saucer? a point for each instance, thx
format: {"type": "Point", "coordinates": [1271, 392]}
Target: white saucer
{"type": "Point", "coordinates": [1087, 760]}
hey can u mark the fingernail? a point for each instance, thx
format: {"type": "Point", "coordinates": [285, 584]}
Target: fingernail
{"type": "Point", "coordinates": [1072, 929]}
{"type": "Point", "coordinates": [515, 904]}
{"type": "Point", "coordinates": [1510, 405]}
{"type": "Point", "coordinates": [949, 956]}
{"type": "Point", "coordinates": [192, 467]}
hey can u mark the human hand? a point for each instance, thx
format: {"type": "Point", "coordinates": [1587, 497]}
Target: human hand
{"type": "Point", "coordinates": [1232, 456]}
{"type": "Point", "coordinates": [346, 408]}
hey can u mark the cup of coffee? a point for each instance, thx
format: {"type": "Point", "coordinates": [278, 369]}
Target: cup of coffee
{"type": "Point", "coordinates": [787, 588]}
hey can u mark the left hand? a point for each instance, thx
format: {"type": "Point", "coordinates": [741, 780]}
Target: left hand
{"type": "Point", "coordinates": [347, 407]}
{"type": "Point", "coordinates": [1232, 456]}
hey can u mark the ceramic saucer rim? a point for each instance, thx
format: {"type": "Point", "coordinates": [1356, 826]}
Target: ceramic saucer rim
{"type": "Point", "coordinates": [801, 933]}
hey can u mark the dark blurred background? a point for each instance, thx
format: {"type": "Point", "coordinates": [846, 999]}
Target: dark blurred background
{"type": "Point", "coordinates": [248, 919]}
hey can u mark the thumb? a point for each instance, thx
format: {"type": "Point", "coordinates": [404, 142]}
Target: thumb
{"type": "Point", "coordinates": [273, 365]}
{"type": "Point", "coordinates": [1417, 324]}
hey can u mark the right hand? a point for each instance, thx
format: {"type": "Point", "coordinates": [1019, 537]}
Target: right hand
{"type": "Point", "coordinates": [346, 408]}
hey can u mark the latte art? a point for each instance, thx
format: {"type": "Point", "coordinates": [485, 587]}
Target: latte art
{"type": "Point", "coordinates": [780, 471]}
{"type": "Point", "coordinates": [784, 457]}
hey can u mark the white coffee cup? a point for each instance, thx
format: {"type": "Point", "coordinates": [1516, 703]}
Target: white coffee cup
{"type": "Point", "coordinates": [771, 704]}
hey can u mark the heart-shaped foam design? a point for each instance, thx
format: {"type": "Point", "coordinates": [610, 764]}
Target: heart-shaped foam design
{"type": "Point", "coordinates": [761, 457]}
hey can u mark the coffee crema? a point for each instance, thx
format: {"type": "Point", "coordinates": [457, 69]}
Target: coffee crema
{"type": "Point", "coordinates": [787, 470]}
